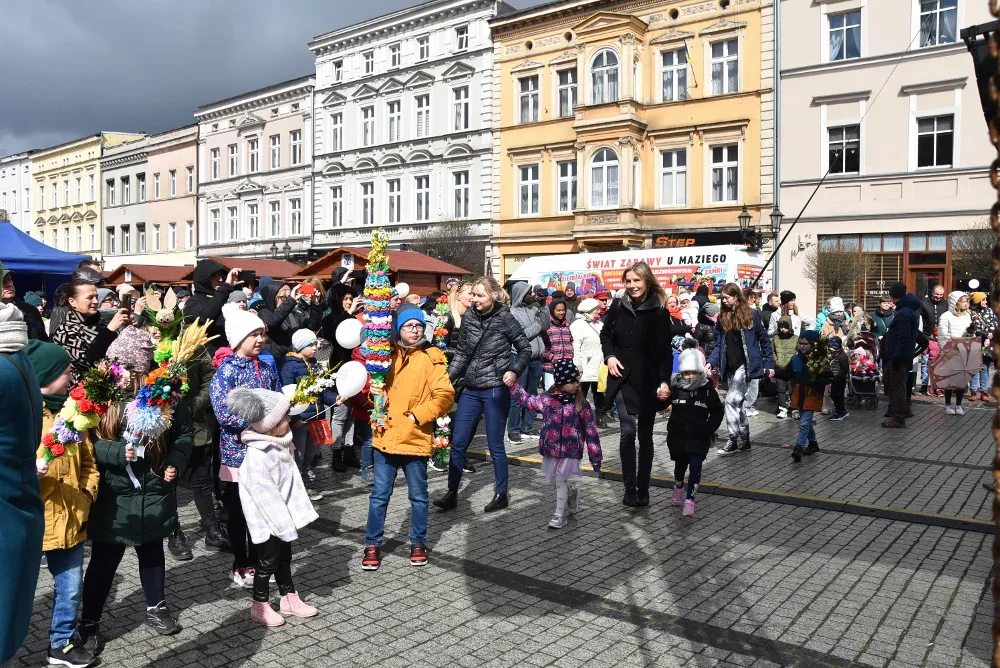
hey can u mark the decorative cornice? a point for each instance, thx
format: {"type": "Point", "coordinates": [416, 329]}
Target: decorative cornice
{"type": "Point", "coordinates": [255, 100]}
{"type": "Point", "coordinates": [525, 66]}
{"type": "Point", "coordinates": [123, 160]}
{"type": "Point", "coordinates": [725, 25]}
{"type": "Point", "coordinates": [564, 57]}
{"type": "Point", "coordinates": [672, 36]}
{"type": "Point", "coordinates": [459, 70]}
{"type": "Point", "coordinates": [836, 98]}
{"type": "Point", "coordinates": [946, 84]}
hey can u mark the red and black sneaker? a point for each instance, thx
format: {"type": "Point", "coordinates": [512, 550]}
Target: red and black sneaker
{"type": "Point", "coordinates": [418, 555]}
{"type": "Point", "coordinates": [372, 559]}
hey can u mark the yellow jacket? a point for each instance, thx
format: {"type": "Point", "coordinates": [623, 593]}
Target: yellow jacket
{"type": "Point", "coordinates": [417, 385]}
{"type": "Point", "coordinates": [68, 490]}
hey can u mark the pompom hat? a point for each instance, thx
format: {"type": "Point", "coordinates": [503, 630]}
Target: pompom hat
{"type": "Point", "coordinates": [565, 372]}
{"type": "Point", "coordinates": [262, 409]}
{"type": "Point", "coordinates": [240, 325]}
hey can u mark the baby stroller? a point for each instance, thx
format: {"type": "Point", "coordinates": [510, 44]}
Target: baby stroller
{"type": "Point", "coordinates": [865, 378]}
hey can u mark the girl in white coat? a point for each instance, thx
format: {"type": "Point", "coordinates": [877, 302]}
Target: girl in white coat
{"type": "Point", "coordinates": [587, 355]}
{"type": "Point", "coordinates": [953, 325]}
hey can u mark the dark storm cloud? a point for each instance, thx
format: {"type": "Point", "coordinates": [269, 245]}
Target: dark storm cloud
{"type": "Point", "coordinates": [70, 68]}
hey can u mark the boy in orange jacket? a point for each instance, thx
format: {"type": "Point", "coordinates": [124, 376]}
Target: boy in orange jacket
{"type": "Point", "coordinates": [418, 393]}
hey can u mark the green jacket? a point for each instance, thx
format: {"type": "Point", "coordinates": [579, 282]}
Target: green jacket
{"type": "Point", "coordinates": [784, 349]}
{"type": "Point", "coordinates": [125, 515]}
{"type": "Point", "coordinates": [200, 372]}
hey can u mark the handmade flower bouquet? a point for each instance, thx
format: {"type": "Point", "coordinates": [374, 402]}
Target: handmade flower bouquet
{"type": "Point", "coordinates": [441, 440]}
{"type": "Point", "coordinates": [440, 331]}
{"type": "Point", "coordinates": [377, 348]}
{"type": "Point", "coordinates": [310, 387]}
{"type": "Point", "coordinates": [818, 361]}
{"type": "Point", "coordinates": [101, 385]}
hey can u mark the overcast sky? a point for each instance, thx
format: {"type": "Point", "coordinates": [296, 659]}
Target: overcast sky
{"type": "Point", "coordinates": [72, 68]}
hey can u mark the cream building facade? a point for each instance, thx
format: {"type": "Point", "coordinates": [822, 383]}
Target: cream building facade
{"type": "Point", "coordinates": [172, 218]}
{"type": "Point", "coordinates": [404, 124]}
{"type": "Point", "coordinates": [883, 96]}
{"type": "Point", "coordinates": [254, 171]}
{"type": "Point", "coordinates": [67, 192]}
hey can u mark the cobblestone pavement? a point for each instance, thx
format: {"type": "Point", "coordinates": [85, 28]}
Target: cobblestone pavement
{"type": "Point", "coordinates": [753, 581]}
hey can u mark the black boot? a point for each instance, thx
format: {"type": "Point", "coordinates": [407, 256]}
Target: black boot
{"type": "Point", "coordinates": [499, 502]}
{"type": "Point", "coordinates": [602, 422]}
{"type": "Point", "coordinates": [642, 498]}
{"type": "Point", "coordinates": [447, 502]}
{"type": "Point", "coordinates": [90, 636]}
{"type": "Point", "coordinates": [351, 458]}
{"type": "Point", "coordinates": [178, 546]}
{"type": "Point", "coordinates": [812, 448]}
{"type": "Point", "coordinates": [216, 539]}
{"type": "Point", "coordinates": [160, 620]}
{"type": "Point", "coordinates": [631, 499]}
{"type": "Point", "coordinates": [338, 461]}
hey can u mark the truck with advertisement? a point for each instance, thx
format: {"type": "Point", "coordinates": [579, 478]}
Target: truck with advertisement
{"type": "Point", "coordinates": [677, 269]}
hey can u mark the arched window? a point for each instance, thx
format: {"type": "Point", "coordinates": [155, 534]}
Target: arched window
{"type": "Point", "coordinates": [604, 179]}
{"type": "Point", "coordinates": [604, 77]}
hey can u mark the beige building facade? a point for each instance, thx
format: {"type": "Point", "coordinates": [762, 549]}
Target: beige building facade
{"type": "Point", "coordinates": [882, 95]}
{"type": "Point", "coordinates": [172, 225]}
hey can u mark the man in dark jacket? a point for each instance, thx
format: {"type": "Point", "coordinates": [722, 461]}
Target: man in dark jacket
{"type": "Point", "coordinates": [285, 312]}
{"type": "Point", "coordinates": [32, 317]}
{"type": "Point", "coordinates": [212, 285]}
{"type": "Point", "coordinates": [932, 308]}
{"type": "Point", "coordinates": [898, 347]}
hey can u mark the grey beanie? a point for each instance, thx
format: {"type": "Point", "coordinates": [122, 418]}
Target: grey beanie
{"type": "Point", "coordinates": [262, 409]}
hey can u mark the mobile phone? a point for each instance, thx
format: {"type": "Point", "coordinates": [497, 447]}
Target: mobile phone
{"type": "Point", "coordinates": [247, 276]}
{"type": "Point", "coordinates": [127, 303]}
{"type": "Point", "coordinates": [307, 289]}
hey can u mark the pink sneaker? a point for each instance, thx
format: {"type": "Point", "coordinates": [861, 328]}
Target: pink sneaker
{"type": "Point", "coordinates": [265, 614]}
{"type": "Point", "coordinates": [677, 496]}
{"type": "Point", "coordinates": [291, 604]}
{"type": "Point", "coordinates": [688, 508]}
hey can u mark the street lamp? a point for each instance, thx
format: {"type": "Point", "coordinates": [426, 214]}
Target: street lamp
{"type": "Point", "coordinates": [274, 251]}
{"type": "Point", "coordinates": [776, 218]}
{"type": "Point", "coordinates": [751, 236]}
{"type": "Point", "coordinates": [287, 250]}
{"type": "Point", "coordinates": [745, 219]}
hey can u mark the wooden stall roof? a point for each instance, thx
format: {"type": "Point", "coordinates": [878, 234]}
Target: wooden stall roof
{"type": "Point", "coordinates": [399, 261]}
{"type": "Point", "coordinates": [159, 274]}
{"type": "Point", "coordinates": [278, 269]}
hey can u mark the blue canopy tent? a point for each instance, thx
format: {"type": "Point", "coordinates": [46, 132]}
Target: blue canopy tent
{"type": "Point", "coordinates": [35, 265]}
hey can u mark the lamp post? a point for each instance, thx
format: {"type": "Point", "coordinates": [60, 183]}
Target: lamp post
{"type": "Point", "coordinates": [750, 236]}
{"type": "Point", "coordinates": [287, 250]}
{"type": "Point", "coordinates": [776, 218]}
{"type": "Point", "coordinates": [274, 251]}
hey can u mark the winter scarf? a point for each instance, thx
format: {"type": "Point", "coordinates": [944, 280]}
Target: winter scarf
{"type": "Point", "coordinates": [75, 334]}
{"type": "Point", "coordinates": [13, 330]}
{"type": "Point", "coordinates": [691, 385]}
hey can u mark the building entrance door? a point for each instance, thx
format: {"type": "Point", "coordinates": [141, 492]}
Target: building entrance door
{"type": "Point", "coordinates": [923, 279]}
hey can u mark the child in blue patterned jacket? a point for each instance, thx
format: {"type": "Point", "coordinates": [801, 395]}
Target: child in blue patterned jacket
{"type": "Point", "coordinates": [568, 422]}
{"type": "Point", "coordinates": [243, 368]}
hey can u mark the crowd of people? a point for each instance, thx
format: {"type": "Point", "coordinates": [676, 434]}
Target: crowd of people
{"type": "Point", "coordinates": [522, 361]}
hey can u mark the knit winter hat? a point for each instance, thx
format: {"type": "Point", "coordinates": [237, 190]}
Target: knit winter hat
{"type": "Point", "coordinates": [810, 335]}
{"type": "Point", "coordinates": [564, 371]}
{"type": "Point", "coordinates": [240, 325]}
{"type": "Point", "coordinates": [836, 343]}
{"type": "Point", "coordinates": [133, 348]}
{"type": "Point", "coordinates": [262, 409]}
{"type": "Point", "coordinates": [102, 294]}
{"type": "Point", "coordinates": [588, 305]}
{"type": "Point", "coordinates": [48, 359]}
{"type": "Point", "coordinates": [835, 304]}
{"type": "Point", "coordinates": [787, 296]}
{"type": "Point", "coordinates": [34, 300]}
{"type": "Point", "coordinates": [684, 297]}
{"type": "Point", "coordinates": [302, 339]}
{"type": "Point", "coordinates": [711, 310]}
{"type": "Point", "coordinates": [409, 312]}
{"type": "Point", "coordinates": [975, 297]}
{"type": "Point", "coordinates": [13, 329]}
{"type": "Point", "coordinates": [690, 360]}
{"type": "Point", "coordinates": [237, 296]}
{"type": "Point", "coordinates": [897, 290]}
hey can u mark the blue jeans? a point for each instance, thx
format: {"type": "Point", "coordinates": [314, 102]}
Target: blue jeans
{"type": "Point", "coordinates": [494, 402]}
{"type": "Point", "coordinates": [981, 381]}
{"type": "Point", "coordinates": [806, 431]}
{"type": "Point", "coordinates": [386, 468]}
{"type": "Point", "coordinates": [66, 567]}
{"type": "Point", "coordinates": [925, 378]}
{"type": "Point", "coordinates": [521, 419]}
{"type": "Point", "coordinates": [363, 433]}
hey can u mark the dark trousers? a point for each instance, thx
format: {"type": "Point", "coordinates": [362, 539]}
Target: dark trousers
{"type": "Point", "coordinates": [494, 404]}
{"type": "Point", "coordinates": [632, 428]}
{"type": "Point", "coordinates": [520, 419]}
{"type": "Point", "coordinates": [897, 372]}
{"type": "Point", "coordinates": [591, 387]}
{"type": "Point", "coordinates": [274, 556]}
{"type": "Point", "coordinates": [691, 464]}
{"type": "Point", "coordinates": [838, 388]}
{"type": "Point", "coordinates": [958, 394]}
{"type": "Point", "coordinates": [784, 389]}
{"type": "Point", "coordinates": [104, 561]}
{"type": "Point", "coordinates": [203, 482]}
{"type": "Point", "coordinates": [244, 551]}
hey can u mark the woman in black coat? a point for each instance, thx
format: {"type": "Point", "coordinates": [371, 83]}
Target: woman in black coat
{"type": "Point", "coordinates": [636, 344]}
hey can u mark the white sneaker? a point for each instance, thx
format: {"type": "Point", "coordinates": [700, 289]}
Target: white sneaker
{"type": "Point", "coordinates": [557, 522]}
{"type": "Point", "coordinates": [959, 410]}
{"type": "Point", "coordinates": [314, 494]}
{"type": "Point", "coordinates": [782, 413]}
{"type": "Point", "coordinates": [243, 579]}
{"type": "Point", "coordinates": [752, 411]}
{"type": "Point", "coordinates": [949, 410]}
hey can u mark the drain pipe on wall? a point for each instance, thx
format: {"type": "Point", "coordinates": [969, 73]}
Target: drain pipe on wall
{"type": "Point", "coordinates": [776, 115]}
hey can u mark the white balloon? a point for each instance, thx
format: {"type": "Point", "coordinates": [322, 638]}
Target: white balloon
{"type": "Point", "coordinates": [402, 289]}
{"type": "Point", "coordinates": [973, 284]}
{"type": "Point", "coordinates": [289, 391]}
{"type": "Point", "coordinates": [351, 378]}
{"type": "Point", "coordinates": [349, 333]}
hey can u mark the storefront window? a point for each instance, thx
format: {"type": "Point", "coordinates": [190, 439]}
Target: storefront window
{"type": "Point", "coordinates": [937, 241]}
{"type": "Point", "coordinates": [892, 243]}
{"type": "Point", "coordinates": [871, 243]}
{"type": "Point", "coordinates": [918, 242]}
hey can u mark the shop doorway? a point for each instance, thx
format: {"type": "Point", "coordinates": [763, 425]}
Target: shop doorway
{"type": "Point", "coordinates": [922, 280]}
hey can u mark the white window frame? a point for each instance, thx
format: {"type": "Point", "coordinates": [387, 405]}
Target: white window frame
{"type": "Point", "coordinates": [156, 237]}
{"type": "Point", "coordinates": [253, 155]}
{"type": "Point", "coordinates": [93, 235]}
{"type": "Point", "coordinates": [140, 183]}
{"type": "Point", "coordinates": [528, 189]}
{"type": "Point", "coordinates": [600, 173]}
{"type": "Point", "coordinates": [724, 166]}
{"type": "Point", "coordinates": [337, 131]}
{"type": "Point", "coordinates": [337, 205]}
{"type": "Point", "coordinates": [567, 91]}
{"type": "Point", "coordinates": [674, 71]}
{"type": "Point", "coordinates": [41, 197]}
{"type": "Point", "coordinates": [395, 56]}
{"type": "Point", "coordinates": [845, 126]}
{"type": "Point", "coordinates": [423, 48]}
{"type": "Point", "coordinates": [233, 220]}
{"type": "Point", "coordinates": [422, 104]}
{"type": "Point", "coordinates": [79, 191]}
{"type": "Point", "coordinates": [603, 73]}
{"type": "Point", "coordinates": [422, 192]}
{"type": "Point", "coordinates": [674, 173]}
{"type": "Point", "coordinates": [79, 237]}
{"type": "Point", "coordinates": [275, 142]}
{"type": "Point", "coordinates": [190, 180]}
{"type": "Point", "coordinates": [173, 182]}
{"type": "Point", "coordinates": [156, 186]}
{"type": "Point", "coordinates": [567, 181]}
{"type": "Point", "coordinates": [394, 111]}
{"type": "Point", "coordinates": [368, 126]}
{"type": "Point", "coordinates": [66, 238]}
{"type": "Point", "coordinates": [55, 194]}
{"type": "Point", "coordinates": [295, 139]}
{"type": "Point", "coordinates": [295, 215]}
{"type": "Point", "coordinates": [140, 234]}
{"type": "Point", "coordinates": [395, 200]}
{"type": "Point", "coordinates": [462, 38]}
{"type": "Point", "coordinates": [460, 187]}
{"type": "Point", "coordinates": [216, 164]}
{"type": "Point", "coordinates": [527, 96]}
{"type": "Point", "coordinates": [93, 190]}
{"type": "Point", "coordinates": [460, 105]}
{"type": "Point", "coordinates": [843, 30]}
{"type": "Point", "coordinates": [274, 219]}
{"type": "Point", "coordinates": [111, 235]}
{"type": "Point", "coordinates": [367, 203]}
{"type": "Point", "coordinates": [189, 234]}
{"type": "Point", "coordinates": [126, 240]}
{"type": "Point", "coordinates": [234, 160]}
{"type": "Point", "coordinates": [172, 235]}
{"type": "Point", "coordinates": [110, 183]}
{"type": "Point", "coordinates": [936, 117]}
{"type": "Point", "coordinates": [724, 61]}
{"type": "Point", "coordinates": [126, 190]}
{"type": "Point", "coordinates": [66, 193]}
{"type": "Point", "coordinates": [253, 221]}
{"type": "Point", "coordinates": [368, 60]}
{"type": "Point", "coordinates": [338, 71]}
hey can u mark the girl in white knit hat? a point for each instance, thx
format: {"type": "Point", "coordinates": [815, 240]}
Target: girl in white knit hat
{"type": "Point", "coordinates": [274, 499]}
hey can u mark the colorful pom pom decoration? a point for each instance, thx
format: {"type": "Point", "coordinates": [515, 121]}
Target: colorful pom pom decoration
{"type": "Point", "coordinates": [377, 348]}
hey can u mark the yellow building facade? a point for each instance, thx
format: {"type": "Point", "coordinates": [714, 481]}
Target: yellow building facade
{"type": "Point", "coordinates": [624, 123]}
{"type": "Point", "coordinates": [68, 190]}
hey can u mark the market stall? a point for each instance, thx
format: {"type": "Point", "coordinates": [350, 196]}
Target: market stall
{"type": "Point", "coordinates": [423, 273]}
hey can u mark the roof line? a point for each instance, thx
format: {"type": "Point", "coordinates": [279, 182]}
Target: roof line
{"type": "Point", "coordinates": [282, 84]}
